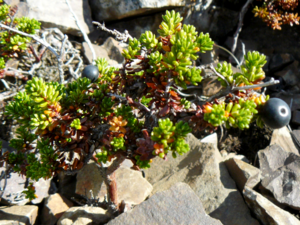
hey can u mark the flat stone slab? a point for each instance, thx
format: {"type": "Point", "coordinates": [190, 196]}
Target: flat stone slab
{"type": "Point", "coordinates": [179, 205]}
{"type": "Point", "coordinates": [104, 10]}
{"type": "Point", "coordinates": [131, 186]}
{"type": "Point", "coordinates": [84, 215]}
{"type": "Point", "coordinates": [281, 174]}
{"type": "Point", "coordinates": [56, 13]}
{"type": "Point", "coordinates": [54, 207]}
{"type": "Point", "coordinates": [203, 169]}
{"type": "Point", "coordinates": [243, 173]}
{"type": "Point", "coordinates": [266, 211]}
{"type": "Point", "coordinates": [283, 138]}
{"type": "Point", "coordinates": [16, 185]}
{"type": "Point", "coordinates": [18, 215]}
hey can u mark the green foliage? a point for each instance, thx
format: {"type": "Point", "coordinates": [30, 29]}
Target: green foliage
{"type": "Point", "coordinates": [30, 107]}
{"type": "Point", "coordinates": [10, 42]}
{"type": "Point", "coordinates": [173, 51]}
{"type": "Point", "coordinates": [225, 70]}
{"type": "Point", "coordinates": [2, 63]}
{"type": "Point", "coordinates": [106, 106]}
{"type": "Point", "coordinates": [42, 93]}
{"type": "Point", "coordinates": [155, 59]}
{"type": "Point", "coordinates": [24, 137]}
{"type": "Point", "coordinates": [216, 116]}
{"type": "Point", "coordinates": [75, 92]}
{"type": "Point", "coordinates": [234, 114]}
{"type": "Point", "coordinates": [133, 49]}
{"type": "Point", "coordinates": [185, 103]}
{"type": "Point", "coordinates": [242, 113]}
{"type": "Point", "coordinates": [180, 146]}
{"type": "Point", "coordinates": [44, 166]}
{"type": "Point", "coordinates": [163, 132]}
{"type": "Point", "coordinates": [16, 159]}
{"type": "Point", "coordinates": [149, 40]}
{"type": "Point", "coordinates": [27, 25]}
{"type": "Point", "coordinates": [132, 122]}
{"type": "Point", "coordinates": [13, 42]}
{"type": "Point", "coordinates": [204, 42]}
{"type": "Point", "coordinates": [145, 100]}
{"type": "Point", "coordinates": [76, 124]}
{"type": "Point", "coordinates": [30, 192]}
{"type": "Point", "coordinates": [171, 137]}
{"type": "Point", "coordinates": [4, 10]}
{"type": "Point", "coordinates": [109, 114]}
{"type": "Point", "coordinates": [181, 130]}
{"type": "Point", "coordinates": [106, 72]}
{"type": "Point", "coordinates": [143, 164]}
{"type": "Point", "coordinates": [103, 155]}
{"type": "Point", "coordinates": [118, 144]}
{"type": "Point", "coordinates": [170, 24]}
{"type": "Point", "coordinates": [251, 71]}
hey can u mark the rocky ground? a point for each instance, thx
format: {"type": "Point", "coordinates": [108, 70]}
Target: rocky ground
{"type": "Point", "coordinates": [230, 177]}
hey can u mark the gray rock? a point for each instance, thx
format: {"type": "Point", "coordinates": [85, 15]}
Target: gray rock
{"type": "Point", "coordinates": [56, 13]}
{"type": "Point", "coordinates": [100, 52]}
{"type": "Point", "coordinates": [84, 215]}
{"type": "Point", "coordinates": [178, 205]}
{"type": "Point", "coordinates": [113, 49]}
{"type": "Point", "coordinates": [54, 207]}
{"type": "Point", "coordinates": [134, 26]}
{"type": "Point", "coordinates": [118, 9]}
{"type": "Point", "coordinates": [281, 174]}
{"type": "Point", "coordinates": [279, 61]}
{"type": "Point", "coordinates": [16, 185]}
{"type": "Point", "coordinates": [267, 212]}
{"type": "Point", "coordinates": [89, 178]}
{"type": "Point", "coordinates": [290, 74]}
{"type": "Point", "coordinates": [202, 168]}
{"type": "Point", "coordinates": [243, 173]}
{"type": "Point", "coordinates": [18, 215]}
{"type": "Point", "coordinates": [235, 156]}
{"type": "Point", "coordinates": [296, 134]}
{"type": "Point", "coordinates": [296, 117]}
{"type": "Point", "coordinates": [218, 21]}
{"type": "Point", "coordinates": [212, 138]}
{"type": "Point", "coordinates": [22, 7]}
{"type": "Point", "coordinates": [66, 185]}
{"type": "Point", "coordinates": [42, 190]}
{"type": "Point", "coordinates": [131, 186]}
{"type": "Point", "coordinates": [211, 86]}
{"type": "Point", "coordinates": [282, 137]}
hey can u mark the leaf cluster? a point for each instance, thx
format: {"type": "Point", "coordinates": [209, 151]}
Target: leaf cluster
{"type": "Point", "coordinates": [10, 42]}
{"type": "Point", "coordinates": [173, 51]}
{"type": "Point", "coordinates": [233, 114]}
{"type": "Point", "coordinates": [278, 12]}
{"type": "Point", "coordinates": [170, 137]}
{"type": "Point", "coordinates": [37, 104]}
{"type": "Point", "coordinates": [251, 70]}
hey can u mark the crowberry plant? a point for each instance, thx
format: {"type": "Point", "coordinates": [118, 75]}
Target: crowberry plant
{"type": "Point", "coordinates": [136, 112]}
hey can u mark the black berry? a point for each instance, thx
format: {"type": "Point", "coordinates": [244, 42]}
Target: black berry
{"type": "Point", "coordinates": [91, 72]}
{"type": "Point", "coordinates": [276, 113]}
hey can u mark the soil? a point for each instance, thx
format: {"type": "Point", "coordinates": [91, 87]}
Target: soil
{"type": "Point", "coordinates": [247, 142]}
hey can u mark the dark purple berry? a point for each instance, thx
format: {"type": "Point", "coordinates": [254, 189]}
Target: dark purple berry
{"type": "Point", "coordinates": [91, 72]}
{"type": "Point", "coordinates": [276, 113]}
